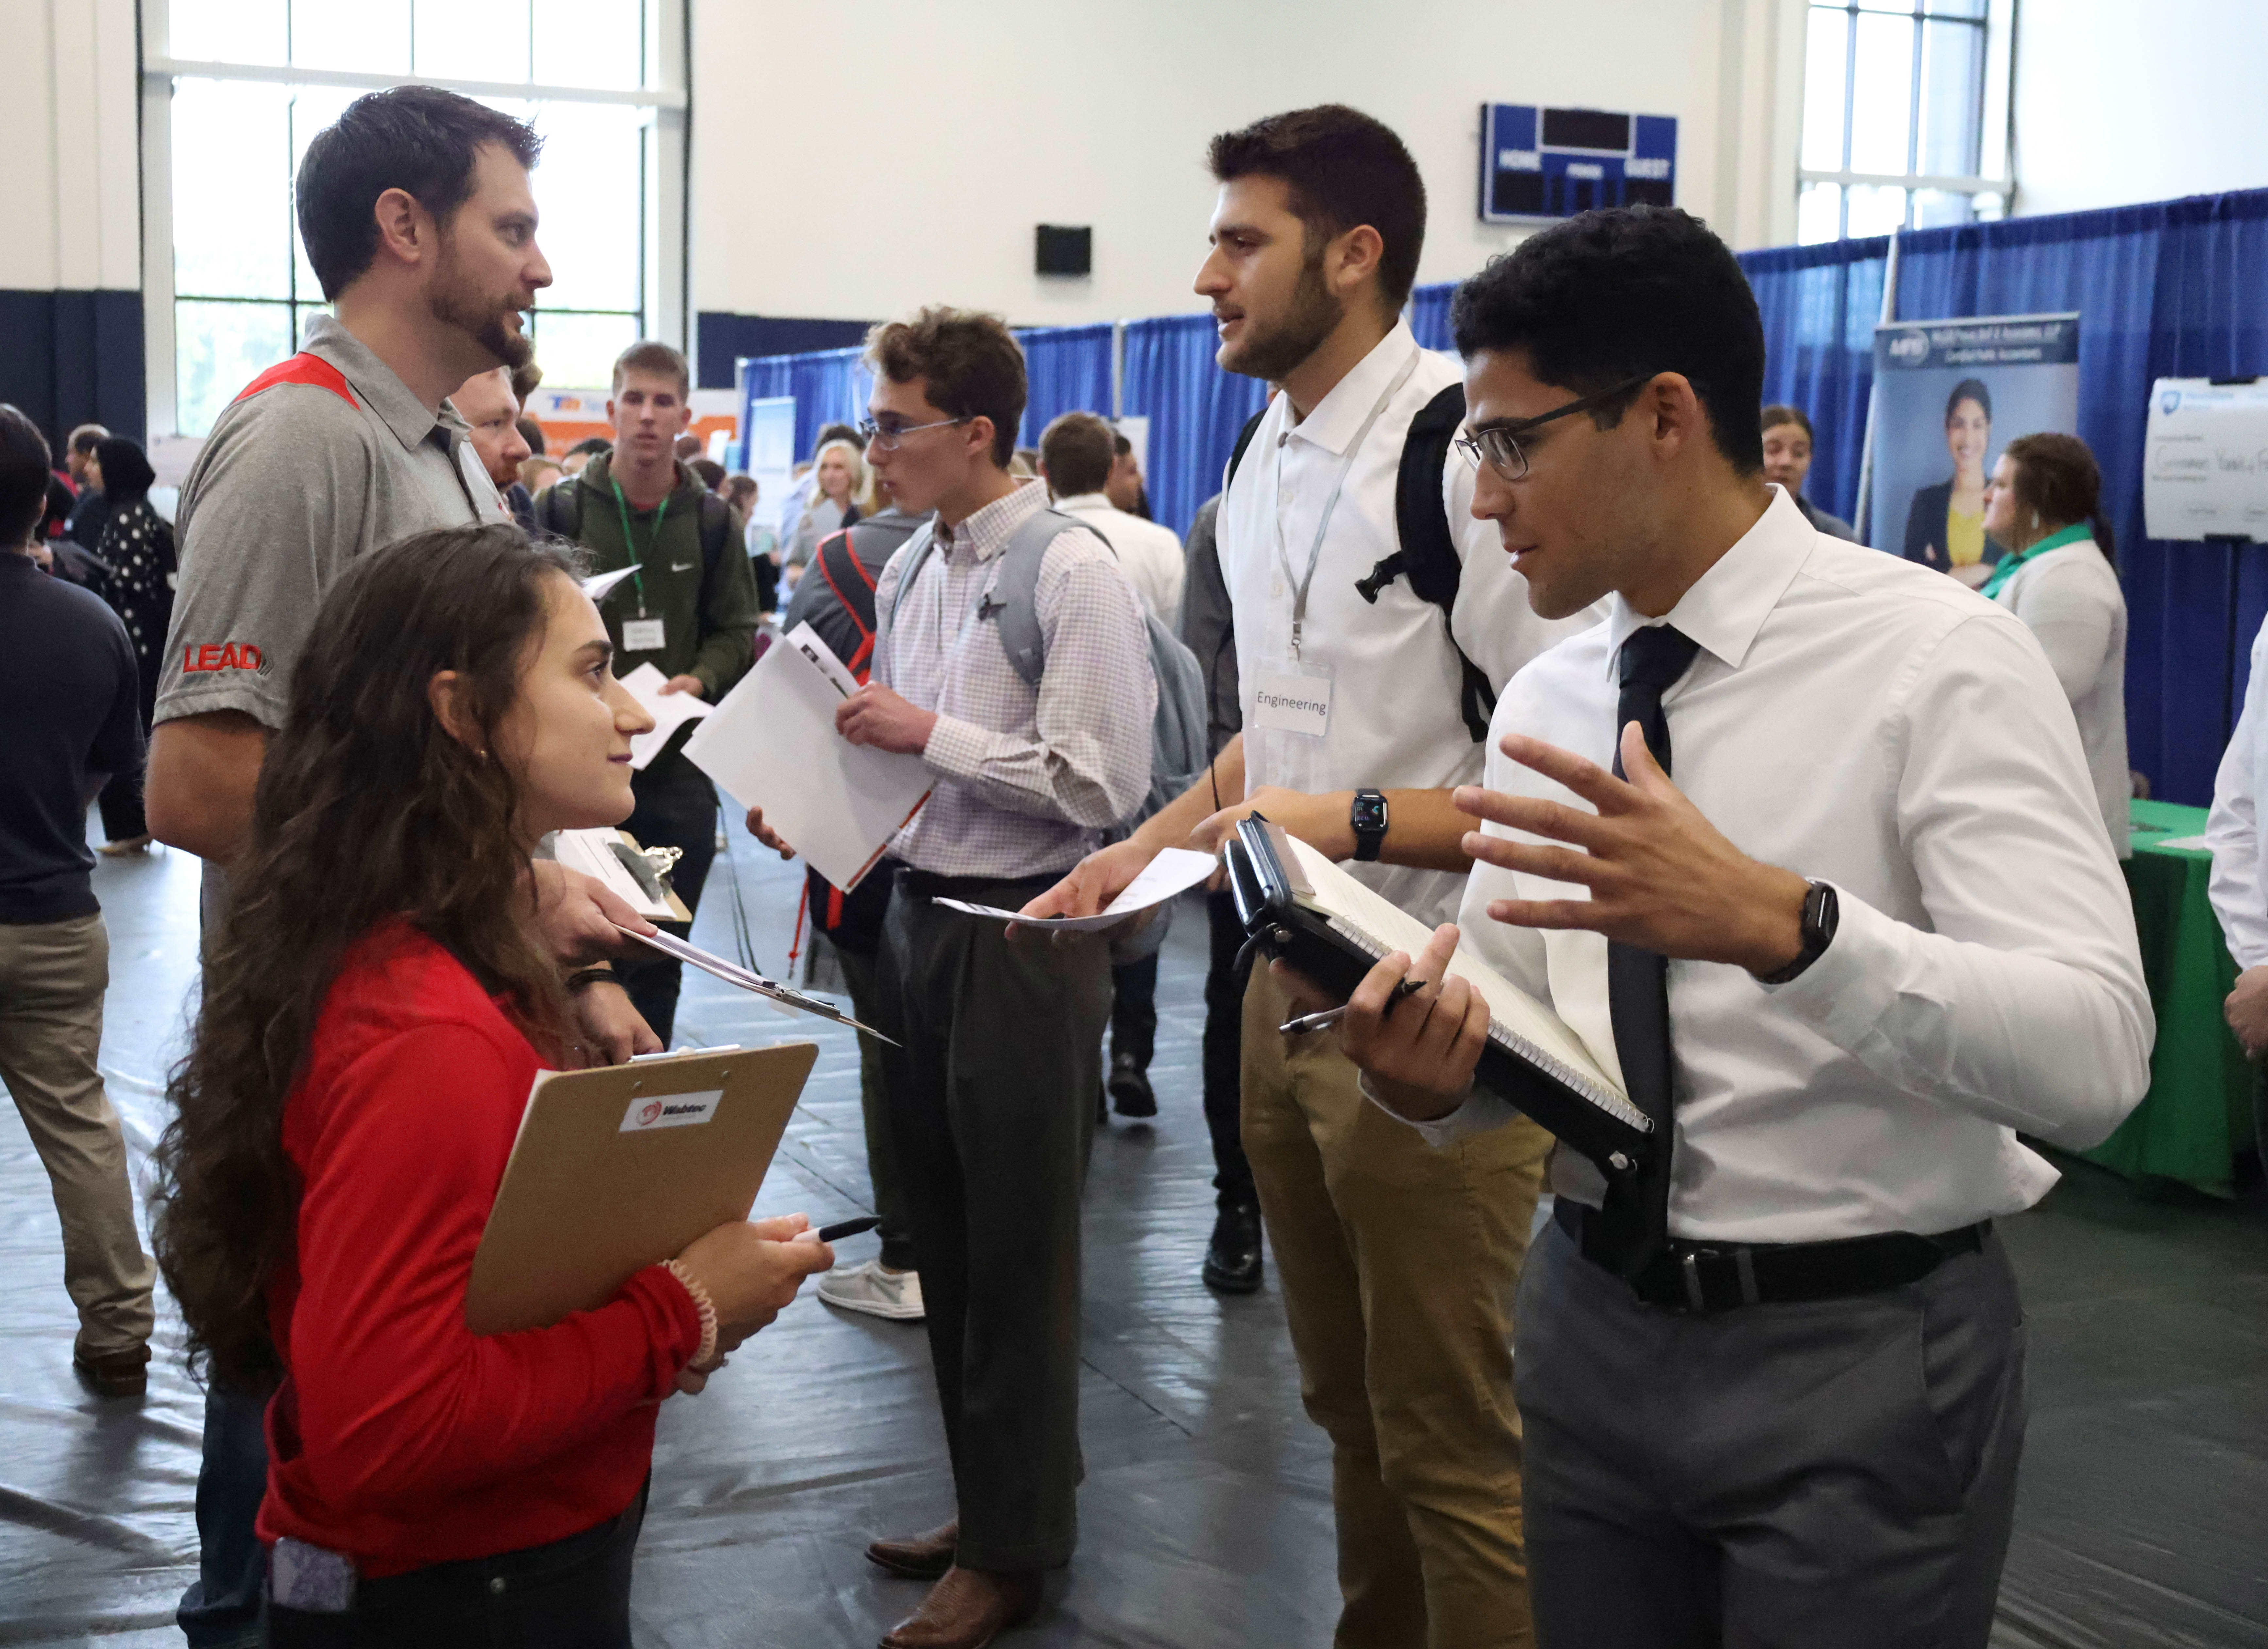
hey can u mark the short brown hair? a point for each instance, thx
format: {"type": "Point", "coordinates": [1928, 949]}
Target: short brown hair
{"type": "Point", "coordinates": [2058, 481]}
{"type": "Point", "coordinates": [525, 377]}
{"type": "Point", "coordinates": [1774, 416]}
{"type": "Point", "coordinates": [970, 364]}
{"type": "Point", "coordinates": [651, 355]}
{"type": "Point", "coordinates": [1076, 452]}
{"type": "Point", "coordinates": [1341, 168]}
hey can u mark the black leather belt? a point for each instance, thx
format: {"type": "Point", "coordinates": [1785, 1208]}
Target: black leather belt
{"type": "Point", "coordinates": [1706, 1277]}
{"type": "Point", "coordinates": [975, 889]}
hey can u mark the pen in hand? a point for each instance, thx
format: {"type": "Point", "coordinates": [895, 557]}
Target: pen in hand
{"type": "Point", "coordinates": [1330, 1017]}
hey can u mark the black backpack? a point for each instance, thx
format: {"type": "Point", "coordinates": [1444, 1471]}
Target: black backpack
{"type": "Point", "coordinates": [1427, 552]}
{"type": "Point", "coordinates": [559, 509]}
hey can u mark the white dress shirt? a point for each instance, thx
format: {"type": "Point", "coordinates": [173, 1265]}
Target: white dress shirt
{"type": "Point", "coordinates": [2069, 597]}
{"type": "Point", "coordinates": [2236, 831]}
{"type": "Point", "coordinates": [1396, 688]}
{"type": "Point", "coordinates": [1866, 721]}
{"type": "Point", "coordinates": [1149, 554]}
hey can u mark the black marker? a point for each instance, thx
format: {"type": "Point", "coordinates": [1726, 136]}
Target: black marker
{"type": "Point", "coordinates": [848, 1228]}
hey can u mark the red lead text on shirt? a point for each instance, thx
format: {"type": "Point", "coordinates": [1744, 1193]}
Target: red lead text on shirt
{"type": "Point", "coordinates": [223, 655]}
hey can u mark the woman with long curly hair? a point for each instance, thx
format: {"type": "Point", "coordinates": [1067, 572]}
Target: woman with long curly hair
{"type": "Point", "coordinates": [377, 1005]}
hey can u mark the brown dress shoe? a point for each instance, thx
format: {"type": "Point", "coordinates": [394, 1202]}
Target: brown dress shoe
{"type": "Point", "coordinates": [116, 1373]}
{"type": "Point", "coordinates": [923, 1556]}
{"type": "Point", "coordinates": [966, 1611]}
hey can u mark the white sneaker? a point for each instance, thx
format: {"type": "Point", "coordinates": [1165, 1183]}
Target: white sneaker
{"type": "Point", "coordinates": [878, 1293]}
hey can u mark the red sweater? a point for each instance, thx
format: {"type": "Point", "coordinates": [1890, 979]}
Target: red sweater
{"type": "Point", "coordinates": [397, 1436]}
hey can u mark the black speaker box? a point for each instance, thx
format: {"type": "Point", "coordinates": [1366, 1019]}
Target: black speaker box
{"type": "Point", "coordinates": [1063, 250]}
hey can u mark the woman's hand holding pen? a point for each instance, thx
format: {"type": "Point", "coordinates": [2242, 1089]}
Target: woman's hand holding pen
{"type": "Point", "coordinates": [752, 1269]}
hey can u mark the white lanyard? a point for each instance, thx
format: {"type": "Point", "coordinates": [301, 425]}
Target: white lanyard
{"type": "Point", "coordinates": [1301, 586]}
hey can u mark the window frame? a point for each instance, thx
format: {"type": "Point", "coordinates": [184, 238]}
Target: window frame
{"type": "Point", "coordinates": [1994, 174]}
{"type": "Point", "coordinates": [664, 309]}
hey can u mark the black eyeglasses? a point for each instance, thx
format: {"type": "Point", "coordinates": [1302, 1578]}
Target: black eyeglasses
{"type": "Point", "coordinates": [1499, 444]}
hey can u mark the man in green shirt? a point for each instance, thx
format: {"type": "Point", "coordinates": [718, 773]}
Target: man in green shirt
{"type": "Point", "coordinates": [689, 608]}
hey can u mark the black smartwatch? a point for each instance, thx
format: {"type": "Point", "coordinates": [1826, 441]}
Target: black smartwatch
{"type": "Point", "coordinates": [1819, 917]}
{"type": "Point", "coordinates": [1369, 818]}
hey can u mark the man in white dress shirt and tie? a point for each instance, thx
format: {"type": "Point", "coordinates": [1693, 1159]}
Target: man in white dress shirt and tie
{"type": "Point", "coordinates": [1850, 924]}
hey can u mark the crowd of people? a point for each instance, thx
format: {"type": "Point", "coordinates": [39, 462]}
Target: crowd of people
{"type": "Point", "coordinates": [1862, 929]}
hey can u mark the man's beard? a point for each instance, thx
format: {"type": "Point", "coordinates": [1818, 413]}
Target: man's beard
{"type": "Point", "coordinates": [455, 303]}
{"type": "Point", "coordinates": [1312, 315]}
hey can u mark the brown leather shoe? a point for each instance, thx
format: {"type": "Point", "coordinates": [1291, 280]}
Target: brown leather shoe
{"type": "Point", "coordinates": [966, 1611]}
{"type": "Point", "coordinates": [923, 1556]}
{"type": "Point", "coordinates": [116, 1373]}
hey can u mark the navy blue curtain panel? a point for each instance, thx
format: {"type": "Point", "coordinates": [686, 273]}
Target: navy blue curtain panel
{"type": "Point", "coordinates": [74, 357]}
{"type": "Point", "coordinates": [1069, 371]}
{"type": "Point", "coordinates": [1429, 316]}
{"type": "Point", "coordinates": [1194, 407]}
{"type": "Point", "coordinates": [1820, 304]}
{"type": "Point", "coordinates": [829, 386]}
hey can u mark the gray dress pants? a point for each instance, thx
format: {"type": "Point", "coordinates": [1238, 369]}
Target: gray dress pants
{"type": "Point", "coordinates": [990, 1104]}
{"type": "Point", "coordinates": [1836, 1472]}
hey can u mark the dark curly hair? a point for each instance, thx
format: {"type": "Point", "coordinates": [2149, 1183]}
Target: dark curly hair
{"type": "Point", "coordinates": [368, 811]}
{"type": "Point", "coordinates": [1611, 295]}
{"type": "Point", "coordinates": [1342, 168]}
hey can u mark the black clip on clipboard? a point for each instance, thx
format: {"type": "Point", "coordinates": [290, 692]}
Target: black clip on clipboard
{"type": "Point", "coordinates": [1281, 917]}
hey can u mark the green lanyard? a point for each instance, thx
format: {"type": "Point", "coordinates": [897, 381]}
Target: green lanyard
{"type": "Point", "coordinates": [629, 544]}
{"type": "Point", "coordinates": [2006, 569]}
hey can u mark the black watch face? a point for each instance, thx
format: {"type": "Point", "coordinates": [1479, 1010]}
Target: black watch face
{"type": "Point", "coordinates": [1369, 813]}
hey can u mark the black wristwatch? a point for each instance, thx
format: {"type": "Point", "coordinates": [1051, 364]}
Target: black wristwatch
{"type": "Point", "coordinates": [1819, 917]}
{"type": "Point", "coordinates": [1369, 818]}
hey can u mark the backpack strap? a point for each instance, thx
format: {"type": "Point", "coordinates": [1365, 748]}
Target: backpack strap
{"type": "Point", "coordinates": [559, 509]}
{"type": "Point", "coordinates": [859, 612]}
{"type": "Point", "coordinates": [1014, 595]}
{"type": "Point", "coordinates": [716, 518]}
{"type": "Point", "coordinates": [1428, 549]}
{"type": "Point", "coordinates": [1244, 439]}
{"type": "Point", "coordinates": [917, 551]}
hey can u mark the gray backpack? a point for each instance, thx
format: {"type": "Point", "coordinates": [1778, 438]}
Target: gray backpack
{"type": "Point", "coordinates": [1177, 733]}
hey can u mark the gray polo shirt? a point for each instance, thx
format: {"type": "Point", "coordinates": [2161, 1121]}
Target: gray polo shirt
{"type": "Point", "coordinates": [319, 459]}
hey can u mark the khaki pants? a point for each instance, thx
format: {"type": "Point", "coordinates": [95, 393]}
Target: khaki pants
{"type": "Point", "coordinates": [1398, 1264]}
{"type": "Point", "coordinates": [52, 978]}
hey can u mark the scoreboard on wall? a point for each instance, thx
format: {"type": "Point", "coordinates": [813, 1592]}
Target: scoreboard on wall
{"type": "Point", "coordinates": [1538, 162]}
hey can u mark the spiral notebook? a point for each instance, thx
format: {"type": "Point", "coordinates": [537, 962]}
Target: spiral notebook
{"type": "Point", "coordinates": [1304, 909]}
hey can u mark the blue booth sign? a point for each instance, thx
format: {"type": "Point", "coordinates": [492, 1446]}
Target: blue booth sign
{"type": "Point", "coordinates": [1554, 163]}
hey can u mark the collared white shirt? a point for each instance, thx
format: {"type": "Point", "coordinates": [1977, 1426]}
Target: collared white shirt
{"type": "Point", "coordinates": [1868, 723]}
{"type": "Point", "coordinates": [2236, 831]}
{"type": "Point", "coordinates": [2069, 597]}
{"type": "Point", "coordinates": [1027, 777]}
{"type": "Point", "coordinates": [1397, 686]}
{"type": "Point", "coordinates": [1149, 553]}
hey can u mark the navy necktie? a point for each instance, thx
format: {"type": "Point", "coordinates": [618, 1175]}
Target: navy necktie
{"type": "Point", "coordinates": [1634, 1226]}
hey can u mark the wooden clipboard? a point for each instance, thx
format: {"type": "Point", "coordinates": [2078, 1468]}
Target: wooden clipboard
{"type": "Point", "coordinates": [619, 1169]}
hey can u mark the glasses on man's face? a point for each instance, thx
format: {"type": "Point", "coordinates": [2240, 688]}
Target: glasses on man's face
{"type": "Point", "coordinates": [886, 436]}
{"type": "Point", "coordinates": [1499, 443]}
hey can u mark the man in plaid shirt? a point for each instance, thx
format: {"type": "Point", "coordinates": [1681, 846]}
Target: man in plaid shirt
{"type": "Point", "coordinates": [991, 1097]}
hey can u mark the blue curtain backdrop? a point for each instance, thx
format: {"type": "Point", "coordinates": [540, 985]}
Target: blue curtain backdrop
{"type": "Point", "coordinates": [1194, 407]}
{"type": "Point", "coordinates": [2170, 290]}
{"type": "Point", "coordinates": [1069, 370]}
{"type": "Point", "coordinates": [1429, 315]}
{"type": "Point", "coordinates": [829, 386]}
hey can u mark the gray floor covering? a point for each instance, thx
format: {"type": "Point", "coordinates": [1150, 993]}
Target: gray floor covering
{"type": "Point", "coordinates": [1206, 1514]}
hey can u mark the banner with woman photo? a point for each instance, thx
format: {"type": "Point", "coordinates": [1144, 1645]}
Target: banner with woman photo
{"type": "Point", "coordinates": [1948, 396]}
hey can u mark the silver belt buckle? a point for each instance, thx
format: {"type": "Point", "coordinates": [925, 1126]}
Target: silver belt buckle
{"type": "Point", "coordinates": [309, 1579]}
{"type": "Point", "coordinates": [1744, 1269]}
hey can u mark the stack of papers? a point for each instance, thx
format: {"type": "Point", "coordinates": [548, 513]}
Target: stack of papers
{"type": "Point", "coordinates": [772, 744]}
{"type": "Point", "coordinates": [592, 853]}
{"type": "Point", "coordinates": [669, 710]}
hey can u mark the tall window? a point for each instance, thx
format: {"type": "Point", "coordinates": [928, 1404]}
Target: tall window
{"type": "Point", "coordinates": [1905, 116]}
{"type": "Point", "coordinates": [235, 89]}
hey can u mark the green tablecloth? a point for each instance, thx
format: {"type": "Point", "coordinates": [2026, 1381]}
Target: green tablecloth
{"type": "Point", "coordinates": [2198, 1109]}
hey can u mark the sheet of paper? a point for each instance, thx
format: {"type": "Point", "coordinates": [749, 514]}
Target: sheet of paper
{"type": "Point", "coordinates": [784, 996]}
{"type": "Point", "coordinates": [772, 745]}
{"type": "Point", "coordinates": [669, 710]}
{"type": "Point", "coordinates": [600, 585]}
{"type": "Point", "coordinates": [1172, 871]}
{"type": "Point", "coordinates": [592, 853]}
{"type": "Point", "coordinates": [2182, 844]}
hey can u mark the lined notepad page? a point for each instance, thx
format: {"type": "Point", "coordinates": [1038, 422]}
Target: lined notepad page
{"type": "Point", "coordinates": [1350, 904]}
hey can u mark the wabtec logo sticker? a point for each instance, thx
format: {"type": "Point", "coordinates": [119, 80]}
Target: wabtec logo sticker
{"type": "Point", "coordinates": [669, 1110]}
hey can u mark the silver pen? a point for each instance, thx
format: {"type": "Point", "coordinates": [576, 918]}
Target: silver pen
{"type": "Point", "coordinates": [1330, 1017]}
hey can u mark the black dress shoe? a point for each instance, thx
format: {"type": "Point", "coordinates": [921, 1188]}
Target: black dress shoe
{"type": "Point", "coordinates": [117, 1374]}
{"type": "Point", "coordinates": [1232, 1261]}
{"type": "Point", "coordinates": [1130, 1093]}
